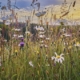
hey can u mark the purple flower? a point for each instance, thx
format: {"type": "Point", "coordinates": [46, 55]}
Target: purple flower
{"type": "Point", "coordinates": [21, 44]}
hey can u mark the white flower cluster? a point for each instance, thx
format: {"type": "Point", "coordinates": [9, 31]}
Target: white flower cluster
{"type": "Point", "coordinates": [18, 36]}
{"type": "Point", "coordinates": [41, 36]}
{"type": "Point", "coordinates": [17, 29]}
{"type": "Point", "coordinates": [39, 28]}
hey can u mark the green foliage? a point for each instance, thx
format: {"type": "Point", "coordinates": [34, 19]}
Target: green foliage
{"type": "Point", "coordinates": [5, 31]}
{"type": "Point", "coordinates": [17, 67]}
{"type": "Point", "coordinates": [1, 25]}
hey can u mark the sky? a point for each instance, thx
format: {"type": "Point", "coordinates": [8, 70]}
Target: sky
{"type": "Point", "coordinates": [27, 3]}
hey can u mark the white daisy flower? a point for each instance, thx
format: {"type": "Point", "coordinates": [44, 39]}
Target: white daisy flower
{"type": "Point", "coordinates": [42, 41]}
{"type": "Point", "coordinates": [15, 35]}
{"type": "Point", "coordinates": [38, 28]}
{"type": "Point", "coordinates": [20, 36]}
{"type": "Point", "coordinates": [17, 29]}
{"type": "Point", "coordinates": [27, 32]}
{"type": "Point", "coordinates": [31, 64]}
{"type": "Point", "coordinates": [5, 40]}
{"type": "Point", "coordinates": [47, 38]}
{"type": "Point", "coordinates": [46, 46]}
{"type": "Point", "coordinates": [41, 33]}
{"type": "Point", "coordinates": [41, 29]}
{"type": "Point", "coordinates": [63, 30]}
{"type": "Point", "coordinates": [41, 36]}
{"type": "Point", "coordinates": [67, 35]}
{"type": "Point", "coordinates": [58, 58]}
{"type": "Point", "coordinates": [65, 43]}
{"type": "Point", "coordinates": [41, 45]}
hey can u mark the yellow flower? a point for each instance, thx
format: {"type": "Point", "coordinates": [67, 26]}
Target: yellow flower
{"type": "Point", "coordinates": [77, 43]}
{"type": "Point", "coordinates": [61, 36]}
{"type": "Point", "coordinates": [69, 47]}
{"type": "Point", "coordinates": [51, 29]}
{"type": "Point", "coordinates": [16, 51]}
{"type": "Point", "coordinates": [28, 33]}
{"type": "Point", "coordinates": [37, 52]}
{"type": "Point", "coordinates": [54, 42]}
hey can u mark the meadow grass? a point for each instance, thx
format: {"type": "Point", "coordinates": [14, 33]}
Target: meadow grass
{"type": "Point", "coordinates": [15, 66]}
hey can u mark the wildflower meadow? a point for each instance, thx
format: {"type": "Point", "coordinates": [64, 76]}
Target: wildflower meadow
{"type": "Point", "coordinates": [54, 54]}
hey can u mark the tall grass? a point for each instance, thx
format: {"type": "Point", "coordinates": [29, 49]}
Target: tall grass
{"type": "Point", "coordinates": [16, 66]}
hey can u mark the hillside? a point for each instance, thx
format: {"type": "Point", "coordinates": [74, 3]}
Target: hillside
{"type": "Point", "coordinates": [22, 14]}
